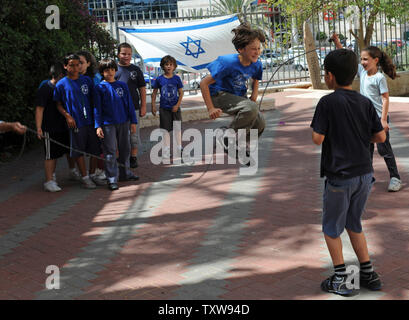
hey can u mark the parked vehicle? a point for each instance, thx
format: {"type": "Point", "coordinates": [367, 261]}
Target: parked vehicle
{"type": "Point", "coordinates": [270, 59]}
{"type": "Point", "coordinates": [300, 63]}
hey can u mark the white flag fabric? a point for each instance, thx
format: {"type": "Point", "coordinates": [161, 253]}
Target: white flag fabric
{"type": "Point", "coordinates": [194, 44]}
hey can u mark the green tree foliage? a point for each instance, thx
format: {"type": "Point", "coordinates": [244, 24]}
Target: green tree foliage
{"type": "Point", "coordinates": [366, 12]}
{"type": "Point", "coordinates": [232, 7]}
{"type": "Point", "coordinates": [28, 48]}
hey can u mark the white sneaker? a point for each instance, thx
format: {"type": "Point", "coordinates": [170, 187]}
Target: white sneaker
{"type": "Point", "coordinates": [97, 180]}
{"type": "Point", "coordinates": [88, 183]}
{"type": "Point", "coordinates": [51, 186]}
{"type": "Point", "coordinates": [100, 173]}
{"type": "Point", "coordinates": [395, 185]}
{"type": "Point", "coordinates": [75, 175]}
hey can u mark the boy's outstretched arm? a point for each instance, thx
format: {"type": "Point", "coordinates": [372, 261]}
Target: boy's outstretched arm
{"type": "Point", "coordinates": [153, 101]}
{"type": "Point", "coordinates": [254, 92]}
{"type": "Point", "coordinates": [379, 137]}
{"type": "Point", "coordinates": [337, 43]}
{"type": "Point", "coordinates": [214, 113]}
{"type": "Point", "coordinates": [317, 138]}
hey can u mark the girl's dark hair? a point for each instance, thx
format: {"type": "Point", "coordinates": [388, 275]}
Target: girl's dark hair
{"type": "Point", "coordinates": [384, 60]}
{"type": "Point", "coordinates": [56, 70]}
{"type": "Point", "coordinates": [107, 64]}
{"type": "Point", "coordinates": [244, 34]}
{"type": "Point", "coordinates": [92, 69]}
{"type": "Point", "coordinates": [167, 59]}
{"type": "Point", "coordinates": [343, 64]}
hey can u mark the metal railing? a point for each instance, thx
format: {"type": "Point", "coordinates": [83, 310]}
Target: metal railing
{"type": "Point", "coordinates": [284, 38]}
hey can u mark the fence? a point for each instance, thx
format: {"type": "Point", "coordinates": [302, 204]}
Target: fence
{"type": "Point", "coordinates": [283, 54]}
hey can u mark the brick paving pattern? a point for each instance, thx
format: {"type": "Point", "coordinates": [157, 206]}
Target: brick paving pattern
{"type": "Point", "coordinates": [200, 231]}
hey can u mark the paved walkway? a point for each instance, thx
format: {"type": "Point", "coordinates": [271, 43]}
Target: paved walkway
{"type": "Point", "coordinates": [200, 231]}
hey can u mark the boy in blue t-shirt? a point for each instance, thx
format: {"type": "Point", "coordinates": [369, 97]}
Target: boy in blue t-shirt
{"type": "Point", "coordinates": [224, 89]}
{"type": "Point", "coordinates": [73, 95]}
{"type": "Point", "coordinates": [345, 123]}
{"type": "Point", "coordinates": [171, 94]}
{"type": "Point", "coordinates": [114, 111]}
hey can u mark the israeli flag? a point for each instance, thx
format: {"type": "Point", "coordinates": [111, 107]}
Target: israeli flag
{"type": "Point", "coordinates": [194, 44]}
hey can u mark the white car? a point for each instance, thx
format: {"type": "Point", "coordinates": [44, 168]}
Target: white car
{"type": "Point", "coordinates": [300, 63]}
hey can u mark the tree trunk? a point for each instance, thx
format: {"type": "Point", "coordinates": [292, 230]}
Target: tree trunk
{"type": "Point", "coordinates": [312, 57]}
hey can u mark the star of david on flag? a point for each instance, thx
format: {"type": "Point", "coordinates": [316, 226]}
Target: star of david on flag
{"type": "Point", "coordinates": [194, 44]}
{"type": "Point", "coordinates": [189, 51]}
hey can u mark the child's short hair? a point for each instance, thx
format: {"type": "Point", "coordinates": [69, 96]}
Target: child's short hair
{"type": "Point", "coordinates": [69, 57]}
{"type": "Point", "coordinates": [168, 59]}
{"type": "Point", "coordinates": [124, 45]}
{"type": "Point", "coordinates": [343, 64]}
{"type": "Point", "coordinates": [107, 64]}
{"type": "Point", "coordinates": [56, 70]}
{"type": "Point", "coordinates": [244, 35]}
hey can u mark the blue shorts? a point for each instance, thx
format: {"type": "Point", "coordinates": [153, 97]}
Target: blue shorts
{"type": "Point", "coordinates": [344, 203]}
{"type": "Point", "coordinates": [84, 139]}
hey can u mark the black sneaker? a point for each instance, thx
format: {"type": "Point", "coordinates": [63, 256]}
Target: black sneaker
{"type": "Point", "coordinates": [336, 284]}
{"type": "Point", "coordinates": [370, 281]}
{"type": "Point", "coordinates": [113, 186]}
{"type": "Point", "coordinates": [133, 162]}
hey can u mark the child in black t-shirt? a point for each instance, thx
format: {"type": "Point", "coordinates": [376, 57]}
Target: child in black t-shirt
{"type": "Point", "coordinates": [345, 123]}
{"type": "Point", "coordinates": [51, 125]}
{"type": "Point", "coordinates": [133, 77]}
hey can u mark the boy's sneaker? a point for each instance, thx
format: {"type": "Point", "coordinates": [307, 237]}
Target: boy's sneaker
{"type": "Point", "coordinates": [51, 186]}
{"type": "Point", "coordinates": [370, 281]}
{"type": "Point", "coordinates": [336, 284]}
{"type": "Point", "coordinates": [97, 180]}
{"type": "Point", "coordinates": [88, 183]}
{"type": "Point", "coordinates": [100, 173]}
{"type": "Point", "coordinates": [75, 175]}
{"type": "Point", "coordinates": [224, 141]}
{"type": "Point", "coordinates": [133, 162]}
{"type": "Point", "coordinates": [113, 186]}
{"type": "Point", "coordinates": [394, 185]}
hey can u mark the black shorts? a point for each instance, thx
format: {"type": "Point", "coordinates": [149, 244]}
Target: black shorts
{"type": "Point", "coordinates": [85, 139]}
{"type": "Point", "coordinates": [54, 150]}
{"type": "Point", "coordinates": [166, 117]}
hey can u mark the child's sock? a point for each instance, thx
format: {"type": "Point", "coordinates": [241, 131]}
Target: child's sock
{"type": "Point", "coordinates": [340, 270]}
{"type": "Point", "coordinates": [366, 267]}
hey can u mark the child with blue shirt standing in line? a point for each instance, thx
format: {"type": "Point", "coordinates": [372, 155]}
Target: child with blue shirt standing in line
{"type": "Point", "coordinates": [114, 114]}
{"type": "Point", "coordinates": [373, 85]}
{"type": "Point", "coordinates": [73, 95]}
{"type": "Point", "coordinates": [171, 94]}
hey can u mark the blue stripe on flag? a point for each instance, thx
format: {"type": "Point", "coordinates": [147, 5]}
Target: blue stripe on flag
{"type": "Point", "coordinates": [201, 66]}
{"type": "Point", "coordinates": [196, 27]}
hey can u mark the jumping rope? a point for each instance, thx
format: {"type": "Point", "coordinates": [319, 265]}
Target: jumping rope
{"type": "Point", "coordinates": [144, 174]}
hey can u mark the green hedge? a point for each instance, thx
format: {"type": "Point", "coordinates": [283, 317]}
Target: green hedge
{"type": "Point", "coordinates": [28, 48]}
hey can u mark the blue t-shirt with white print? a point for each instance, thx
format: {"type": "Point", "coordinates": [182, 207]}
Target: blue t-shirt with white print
{"type": "Point", "coordinates": [169, 94]}
{"type": "Point", "coordinates": [76, 97]}
{"type": "Point", "coordinates": [231, 76]}
{"type": "Point", "coordinates": [113, 104]}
